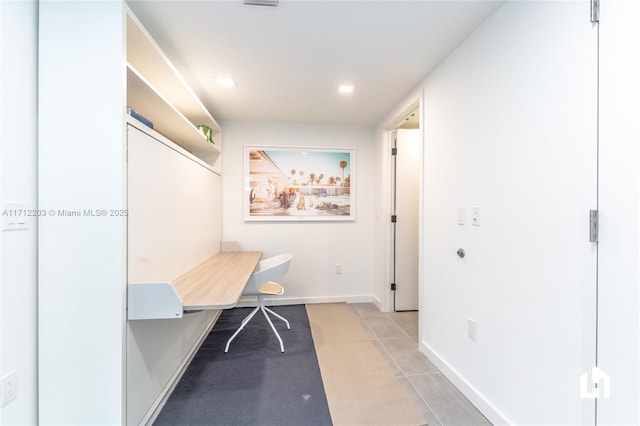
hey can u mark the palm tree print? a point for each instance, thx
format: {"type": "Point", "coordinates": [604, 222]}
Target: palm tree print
{"type": "Point", "coordinates": [343, 165]}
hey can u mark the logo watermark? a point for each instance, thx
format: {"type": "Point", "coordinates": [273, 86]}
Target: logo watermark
{"type": "Point", "coordinates": [597, 376]}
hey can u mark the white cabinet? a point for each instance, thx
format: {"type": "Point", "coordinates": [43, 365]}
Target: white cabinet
{"type": "Point", "coordinates": [94, 60]}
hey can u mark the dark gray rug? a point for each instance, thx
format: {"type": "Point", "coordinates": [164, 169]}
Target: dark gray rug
{"type": "Point", "coordinates": [254, 383]}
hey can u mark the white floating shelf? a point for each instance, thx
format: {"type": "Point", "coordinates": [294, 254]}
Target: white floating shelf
{"type": "Point", "coordinates": [201, 158]}
{"type": "Point", "coordinates": [167, 120]}
{"type": "Point", "coordinates": [146, 56]}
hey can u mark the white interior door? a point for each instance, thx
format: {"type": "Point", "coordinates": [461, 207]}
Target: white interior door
{"type": "Point", "coordinates": [407, 175]}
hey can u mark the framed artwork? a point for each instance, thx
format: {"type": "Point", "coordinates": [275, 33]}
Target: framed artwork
{"type": "Point", "coordinates": [299, 184]}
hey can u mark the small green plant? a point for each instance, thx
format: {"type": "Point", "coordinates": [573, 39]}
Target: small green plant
{"type": "Point", "coordinates": [207, 132]}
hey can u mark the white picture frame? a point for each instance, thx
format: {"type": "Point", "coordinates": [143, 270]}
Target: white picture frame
{"type": "Point", "coordinates": [285, 183]}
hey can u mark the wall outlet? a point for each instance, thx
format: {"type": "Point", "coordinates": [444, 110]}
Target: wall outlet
{"type": "Point", "coordinates": [9, 388]}
{"type": "Point", "coordinates": [338, 268]}
{"type": "Point", "coordinates": [472, 329]}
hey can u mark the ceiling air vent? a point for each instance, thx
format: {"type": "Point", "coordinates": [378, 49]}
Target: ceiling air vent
{"type": "Point", "coordinates": [261, 2]}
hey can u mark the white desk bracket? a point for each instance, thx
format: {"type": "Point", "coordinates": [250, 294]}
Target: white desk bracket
{"type": "Point", "coordinates": [153, 300]}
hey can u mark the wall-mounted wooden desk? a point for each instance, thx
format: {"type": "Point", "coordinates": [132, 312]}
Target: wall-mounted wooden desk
{"type": "Point", "coordinates": [217, 283]}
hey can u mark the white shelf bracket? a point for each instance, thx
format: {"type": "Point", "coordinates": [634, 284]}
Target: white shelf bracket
{"type": "Point", "coordinates": [153, 300]}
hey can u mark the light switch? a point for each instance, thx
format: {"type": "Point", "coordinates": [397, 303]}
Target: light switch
{"type": "Point", "coordinates": [475, 216]}
{"type": "Point", "coordinates": [462, 213]}
{"type": "Point", "coordinates": [14, 216]}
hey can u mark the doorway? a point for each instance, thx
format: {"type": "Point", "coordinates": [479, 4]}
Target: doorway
{"type": "Point", "coordinates": [406, 167]}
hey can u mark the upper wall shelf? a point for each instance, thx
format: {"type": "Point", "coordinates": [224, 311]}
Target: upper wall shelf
{"type": "Point", "coordinates": [167, 119]}
{"type": "Point", "coordinates": [156, 90]}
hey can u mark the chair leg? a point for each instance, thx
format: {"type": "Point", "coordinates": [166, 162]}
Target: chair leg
{"type": "Point", "coordinates": [242, 324]}
{"type": "Point", "coordinates": [272, 327]}
{"type": "Point", "coordinates": [278, 316]}
{"type": "Point", "coordinates": [264, 310]}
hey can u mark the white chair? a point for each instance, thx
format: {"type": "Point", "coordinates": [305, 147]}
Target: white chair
{"type": "Point", "coordinates": [262, 283]}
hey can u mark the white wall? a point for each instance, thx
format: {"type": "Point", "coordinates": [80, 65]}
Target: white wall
{"type": "Point", "coordinates": [619, 254]}
{"type": "Point", "coordinates": [18, 115]}
{"type": "Point", "coordinates": [317, 246]}
{"type": "Point", "coordinates": [82, 263]}
{"type": "Point", "coordinates": [510, 126]}
{"type": "Point", "coordinates": [382, 229]}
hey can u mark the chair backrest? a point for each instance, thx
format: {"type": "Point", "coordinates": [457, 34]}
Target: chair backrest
{"type": "Point", "coordinates": [270, 269]}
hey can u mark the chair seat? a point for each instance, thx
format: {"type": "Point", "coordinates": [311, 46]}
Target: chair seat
{"type": "Point", "coordinates": [271, 288]}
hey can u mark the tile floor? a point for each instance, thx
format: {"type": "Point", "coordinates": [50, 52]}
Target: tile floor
{"type": "Point", "coordinates": [395, 334]}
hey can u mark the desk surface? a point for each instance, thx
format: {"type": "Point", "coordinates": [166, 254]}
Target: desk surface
{"type": "Point", "coordinates": [218, 282]}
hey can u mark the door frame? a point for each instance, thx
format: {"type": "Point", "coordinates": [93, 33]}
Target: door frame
{"type": "Point", "coordinates": [414, 101]}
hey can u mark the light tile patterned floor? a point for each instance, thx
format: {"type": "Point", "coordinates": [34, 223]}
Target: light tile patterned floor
{"type": "Point", "coordinates": [395, 334]}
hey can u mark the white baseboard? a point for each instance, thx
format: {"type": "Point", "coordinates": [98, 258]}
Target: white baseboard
{"type": "Point", "coordinates": [377, 302]}
{"type": "Point", "coordinates": [471, 393]}
{"type": "Point", "coordinates": [277, 301]}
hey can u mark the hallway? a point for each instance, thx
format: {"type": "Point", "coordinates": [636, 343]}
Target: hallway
{"type": "Point", "coordinates": [395, 334]}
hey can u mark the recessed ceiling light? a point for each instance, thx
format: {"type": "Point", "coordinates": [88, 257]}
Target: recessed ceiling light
{"type": "Point", "coordinates": [345, 89]}
{"type": "Point", "coordinates": [226, 82]}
